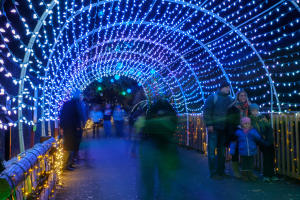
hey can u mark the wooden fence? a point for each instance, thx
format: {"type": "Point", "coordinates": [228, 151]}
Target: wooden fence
{"type": "Point", "coordinates": [286, 139]}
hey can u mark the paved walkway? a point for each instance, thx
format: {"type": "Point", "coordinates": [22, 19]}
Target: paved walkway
{"type": "Point", "coordinates": [111, 174]}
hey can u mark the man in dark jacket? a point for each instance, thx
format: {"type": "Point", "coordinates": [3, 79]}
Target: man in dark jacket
{"type": "Point", "coordinates": [71, 119]}
{"type": "Point", "coordinates": [214, 114]}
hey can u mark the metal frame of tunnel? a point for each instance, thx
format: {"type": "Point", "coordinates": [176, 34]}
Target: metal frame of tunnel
{"type": "Point", "coordinates": [196, 7]}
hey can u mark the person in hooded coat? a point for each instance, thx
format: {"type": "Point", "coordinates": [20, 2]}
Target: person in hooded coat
{"type": "Point", "coordinates": [71, 119]}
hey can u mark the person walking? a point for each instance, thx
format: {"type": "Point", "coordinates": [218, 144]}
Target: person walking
{"type": "Point", "coordinates": [71, 117]}
{"type": "Point", "coordinates": [97, 116]}
{"type": "Point", "coordinates": [107, 120]}
{"type": "Point", "coordinates": [214, 114]}
{"type": "Point", "coordinates": [118, 116]}
{"type": "Point", "coordinates": [237, 110]}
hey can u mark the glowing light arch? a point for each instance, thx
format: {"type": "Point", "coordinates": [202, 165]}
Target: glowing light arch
{"type": "Point", "coordinates": [184, 52]}
{"type": "Point", "coordinates": [124, 73]}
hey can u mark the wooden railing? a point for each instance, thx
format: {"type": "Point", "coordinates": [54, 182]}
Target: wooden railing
{"type": "Point", "coordinates": [33, 174]}
{"type": "Point", "coordinates": [286, 133]}
{"type": "Point", "coordinates": [287, 143]}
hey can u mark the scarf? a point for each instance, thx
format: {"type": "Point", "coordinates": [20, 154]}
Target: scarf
{"type": "Point", "coordinates": [243, 107]}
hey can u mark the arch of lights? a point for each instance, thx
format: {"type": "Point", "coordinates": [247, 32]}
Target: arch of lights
{"type": "Point", "coordinates": [173, 48]}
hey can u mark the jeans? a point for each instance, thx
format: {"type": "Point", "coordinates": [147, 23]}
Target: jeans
{"type": "Point", "coordinates": [216, 152]}
{"type": "Point", "coordinates": [107, 128]}
{"type": "Point", "coordinates": [96, 129]}
{"type": "Point", "coordinates": [119, 128]}
{"type": "Point", "coordinates": [247, 163]}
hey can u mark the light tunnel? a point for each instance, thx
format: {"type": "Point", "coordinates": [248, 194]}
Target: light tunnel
{"type": "Point", "coordinates": [176, 49]}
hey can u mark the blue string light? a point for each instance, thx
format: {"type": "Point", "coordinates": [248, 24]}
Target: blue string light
{"type": "Point", "coordinates": [177, 49]}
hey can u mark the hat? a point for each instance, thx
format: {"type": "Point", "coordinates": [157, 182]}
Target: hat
{"type": "Point", "coordinates": [245, 120]}
{"type": "Point", "coordinates": [223, 84]}
{"type": "Point", "coordinates": [254, 106]}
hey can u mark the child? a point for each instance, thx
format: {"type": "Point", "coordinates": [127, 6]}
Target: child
{"type": "Point", "coordinates": [263, 126]}
{"type": "Point", "coordinates": [247, 139]}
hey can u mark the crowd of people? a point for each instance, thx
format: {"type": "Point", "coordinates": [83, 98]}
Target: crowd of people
{"type": "Point", "coordinates": [151, 134]}
{"type": "Point", "coordinates": [73, 117]}
{"type": "Point", "coordinates": [235, 124]}
{"type": "Point", "coordinates": [238, 125]}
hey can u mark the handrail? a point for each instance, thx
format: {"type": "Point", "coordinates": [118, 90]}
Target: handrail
{"type": "Point", "coordinates": [33, 174]}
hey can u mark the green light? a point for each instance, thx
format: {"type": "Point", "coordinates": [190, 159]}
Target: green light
{"type": "Point", "coordinates": [99, 88]}
{"type": "Point", "coordinates": [123, 93]}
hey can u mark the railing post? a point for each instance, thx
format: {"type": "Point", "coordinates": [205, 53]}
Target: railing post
{"type": "Point", "coordinates": [34, 117]}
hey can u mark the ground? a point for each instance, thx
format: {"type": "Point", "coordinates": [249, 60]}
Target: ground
{"type": "Point", "coordinates": [111, 173]}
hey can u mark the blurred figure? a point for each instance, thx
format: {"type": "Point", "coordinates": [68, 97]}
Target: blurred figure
{"type": "Point", "coordinates": [71, 119]}
{"type": "Point", "coordinates": [118, 116]}
{"type": "Point", "coordinates": [107, 120]}
{"type": "Point", "coordinates": [97, 116]}
{"type": "Point", "coordinates": [158, 153]}
{"type": "Point", "coordinates": [132, 119]}
{"type": "Point", "coordinates": [136, 134]}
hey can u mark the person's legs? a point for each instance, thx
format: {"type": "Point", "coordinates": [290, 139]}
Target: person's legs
{"type": "Point", "coordinates": [94, 130]}
{"type": "Point", "coordinates": [268, 161]}
{"type": "Point", "coordinates": [68, 159]}
{"type": "Point", "coordinates": [121, 128]}
{"type": "Point", "coordinates": [117, 127]}
{"type": "Point", "coordinates": [221, 153]}
{"type": "Point", "coordinates": [97, 129]}
{"type": "Point", "coordinates": [250, 164]}
{"type": "Point", "coordinates": [211, 153]}
{"type": "Point", "coordinates": [235, 163]}
{"type": "Point", "coordinates": [244, 168]}
{"type": "Point", "coordinates": [107, 128]}
{"type": "Point", "coordinates": [148, 167]}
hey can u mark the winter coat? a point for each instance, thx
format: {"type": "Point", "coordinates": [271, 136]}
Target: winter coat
{"type": "Point", "coordinates": [96, 116]}
{"type": "Point", "coordinates": [232, 122]}
{"type": "Point", "coordinates": [246, 142]}
{"type": "Point", "coordinates": [215, 110]}
{"type": "Point", "coordinates": [118, 115]}
{"type": "Point", "coordinates": [263, 126]}
{"type": "Point", "coordinates": [70, 122]}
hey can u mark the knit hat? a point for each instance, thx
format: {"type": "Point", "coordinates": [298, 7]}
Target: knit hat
{"type": "Point", "coordinates": [254, 106]}
{"type": "Point", "coordinates": [223, 84]}
{"type": "Point", "coordinates": [245, 120]}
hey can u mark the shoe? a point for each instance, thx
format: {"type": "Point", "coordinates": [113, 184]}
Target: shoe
{"type": "Point", "coordinates": [216, 177]}
{"type": "Point", "coordinates": [266, 180]}
{"type": "Point", "coordinates": [275, 178]}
